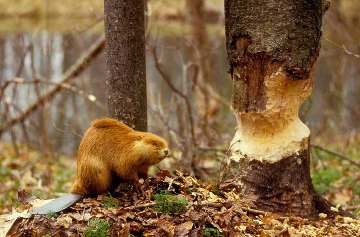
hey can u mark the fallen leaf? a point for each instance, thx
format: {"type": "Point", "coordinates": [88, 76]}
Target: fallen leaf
{"type": "Point", "coordinates": [7, 220]}
{"type": "Point", "coordinates": [183, 229]}
{"type": "Point", "coordinates": [64, 221]}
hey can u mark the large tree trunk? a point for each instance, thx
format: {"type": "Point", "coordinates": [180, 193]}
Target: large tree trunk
{"type": "Point", "coordinates": [125, 62]}
{"type": "Point", "coordinates": [272, 48]}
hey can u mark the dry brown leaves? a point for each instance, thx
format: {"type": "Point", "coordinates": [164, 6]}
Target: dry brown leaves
{"type": "Point", "coordinates": [209, 205]}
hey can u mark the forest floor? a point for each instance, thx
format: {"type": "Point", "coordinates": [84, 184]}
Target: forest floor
{"type": "Point", "coordinates": [172, 204]}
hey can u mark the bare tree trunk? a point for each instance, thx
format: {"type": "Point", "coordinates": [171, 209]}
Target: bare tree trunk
{"type": "Point", "coordinates": [272, 48]}
{"type": "Point", "coordinates": [125, 62]}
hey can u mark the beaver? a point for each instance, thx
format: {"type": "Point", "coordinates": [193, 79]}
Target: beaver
{"type": "Point", "coordinates": [109, 151]}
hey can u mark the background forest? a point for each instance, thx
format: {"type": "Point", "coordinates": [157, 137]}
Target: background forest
{"type": "Point", "coordinates": [186, 64]}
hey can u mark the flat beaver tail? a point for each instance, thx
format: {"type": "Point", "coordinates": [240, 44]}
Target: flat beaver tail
{"type": "Point", "coordinates": [106, 122]}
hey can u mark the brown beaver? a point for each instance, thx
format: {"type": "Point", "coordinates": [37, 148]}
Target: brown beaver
{"type": "Point", "coordinates": [109, 151]}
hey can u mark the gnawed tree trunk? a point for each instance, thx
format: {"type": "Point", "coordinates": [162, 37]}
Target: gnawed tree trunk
{"type": "Point", "coordinates": [125, 62]}
{"type": "Point", "coordinates": [272, 48]}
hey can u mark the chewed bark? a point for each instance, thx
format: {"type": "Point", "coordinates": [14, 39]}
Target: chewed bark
{"type": "Point", "coordinates": [273, 130]}
{"type": "Point", "coordinates": [269, 153]}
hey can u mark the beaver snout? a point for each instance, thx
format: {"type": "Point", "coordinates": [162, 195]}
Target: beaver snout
{"type": "Point", "coordinates": [164, 152]}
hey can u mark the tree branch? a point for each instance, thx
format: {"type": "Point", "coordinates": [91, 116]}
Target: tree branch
{"type": "Point", "coordinates": [336, 154]}
{"type": "Point", "coordinates": [70, 74]}
{"type": "Point", "coordinates": [176, 91]}
{"type": "Point", "coordinates": [65, 86]}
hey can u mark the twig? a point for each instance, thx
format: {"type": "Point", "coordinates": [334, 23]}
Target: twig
{"type": "Point", "coordinates": [65, 86]}
{"type": "Point", "coordinates": [253, 211]}
{"type": "Point", "coordinates": [71, 73]}
{"type": "Point", "coordinates": [64, 131]}
{"type": "Point", "coordinates": [344, 48]}
{"type": "Point", "coordinates": [150, 204]}
{"type": "Point", "coordinates": [336, 154]}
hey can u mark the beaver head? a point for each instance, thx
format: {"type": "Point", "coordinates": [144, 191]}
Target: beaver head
{"type": "Point", "coordinates": [152, 148]}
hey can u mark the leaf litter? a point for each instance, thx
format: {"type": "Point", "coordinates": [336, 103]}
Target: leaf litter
{"type": "Point", "coordinates": [211, 210]}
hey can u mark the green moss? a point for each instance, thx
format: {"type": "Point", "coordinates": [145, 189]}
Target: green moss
{"type": "Point", "coordinates": [97, 228]}
{"type": "Point", "coordinates": [323, 178]}
{"type": "Point", "coordinates": [213, 232]}
{"type": "Point", "coordinates": [167, 203]}
{"type": "Point", "coordinates": [110, 202]}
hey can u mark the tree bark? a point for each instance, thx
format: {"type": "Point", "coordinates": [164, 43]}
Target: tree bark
{"type": "Point", "coordinates": [272, 48]}
{"type": "Point", "coordinates": [125, 62]}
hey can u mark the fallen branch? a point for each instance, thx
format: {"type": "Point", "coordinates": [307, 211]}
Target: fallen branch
{"type": "Point", "coordinates": [70, 74]}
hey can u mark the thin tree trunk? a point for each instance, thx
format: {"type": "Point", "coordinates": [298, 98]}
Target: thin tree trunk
{"type": "Point", "coordinates": [272, 48]}
{"type": "Point", "coordinates": [351, 96]}
{"type": "Point", "coordinates": [207, 107]}
{"type": "Point", "coordinates": [125, 62]}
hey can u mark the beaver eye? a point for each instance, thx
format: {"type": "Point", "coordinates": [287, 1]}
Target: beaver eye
{"type": "Point", "coordinates": [153, 143]}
